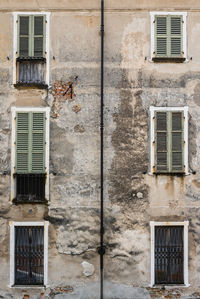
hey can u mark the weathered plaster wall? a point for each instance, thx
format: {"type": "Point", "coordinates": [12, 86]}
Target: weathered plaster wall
{"type": "Point", "coordinates": [132, 196]}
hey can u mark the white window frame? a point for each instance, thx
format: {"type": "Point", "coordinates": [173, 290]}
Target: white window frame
{"type": "Point", "coordinates": [14, 111]}
{"type": "Point", "coordinates": [153, 14]}
{"type": "Point", "coordinates": [15, 41]}
{"type": "Point", "coordinates": [152, 134]}
{"type": "Point", "coordinates": [185, 224]}
{"type": "Point", "coordinates": [12, 225]}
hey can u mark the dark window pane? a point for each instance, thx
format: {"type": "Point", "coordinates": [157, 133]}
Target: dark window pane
{"type": "Point", "coordinates": [169, 255]}
{"type": "Point", "coordinates": [38, 25]}
{"type": "Point", "coordinates": [24, 26]}
{"type": "Point", "coordinates": [29, 255]}
{"type": "Point", "coordinates": [23, 46]}
{"type": "Point", "coordinates": [38, 46]}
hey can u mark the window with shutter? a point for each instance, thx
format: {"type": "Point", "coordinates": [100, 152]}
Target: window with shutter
{"type": "Point", "coordinates": [169, 36]}
{"type": "Point", "coordinates": [31, 52]}
{"type": "Point", "coordinates": [169, 142]}
{"type": "Point", "coordinates": [30, 156]}
{"type": "Point", "coordinates": [31, 41]}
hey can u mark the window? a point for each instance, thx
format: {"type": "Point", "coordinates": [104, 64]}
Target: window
{"type": "Point", "coordinates": [168, 36]}
{"type": "Point", "coordinates": [28, 253]}
{"type": "Point", "coordinates": [31, 49]}
{"type": "Point", "coordinates": [169, 253]}
{"type": "Point", "coordinates": [30, 154]}
{"type": "Point", "coordinates": [169, 140]}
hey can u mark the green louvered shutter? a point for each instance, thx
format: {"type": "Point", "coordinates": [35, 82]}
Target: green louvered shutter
{"type": "Point", "coordinates": [24, 36]}
{"type": "Point", "coordinates": [177, 142]}
{"type": "Point", "coordinates": [38, 142]}
{"type": "Point", "coordinates": [22, 143]}
{"type": "Point", "coordinates": [161, 36]}
{"type": "Point", "coordinates": [38, 36]}
{"type": "Point", "coordinates": [161, 142]}
{"type": "Point", "coordinates": [176, 35]}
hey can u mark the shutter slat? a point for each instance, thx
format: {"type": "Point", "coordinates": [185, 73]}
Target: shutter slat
{"type": "Point", "coordinates": [161, 46]}
{"type": "Point", "coordinates": [177, 141]}
{"type": "Point", "coordinates": [38, 25]}
{"type": "Point", "coordinates": [176, 25]}
{"type": "Point", "coordinates": [38, 143]}
{"type": "Point", "coordinates": [176, 36]}
{"type": "Point", "coordinates": [161, 27]}
{"type": "Point", "coordinates": [161, 141]}
{"type": "Point", "coordinates": [22, 142]}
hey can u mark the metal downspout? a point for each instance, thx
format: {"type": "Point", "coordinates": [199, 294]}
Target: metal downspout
{"type": "Point", "coordinates": [102, 248]}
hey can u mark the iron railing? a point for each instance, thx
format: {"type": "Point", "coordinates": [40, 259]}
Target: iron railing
{"type": "Point", "coordinates": [169, 255]}
{"type": "Point", "coordinates": [29, 255]}
{"type": "Point", "coordinates": [30, 188]}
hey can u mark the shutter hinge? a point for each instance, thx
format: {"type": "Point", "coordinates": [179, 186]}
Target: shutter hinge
{"type": "Point", "coordinates": [154, 141]}
{"type": "Point", "coordinates": [153, 117]}
{"type": "Point", "coordinates": [45, 118]}
{"type": "Point", "coordinates": [182, 52]}
{"type": "Point", "coordinates": [15, 142]}
{"type": "Point", "coordinates": [46, 21]}
{"type": "Point", "coordinates": [17, 21]}
{"type": "Point", "coordinates": [154, 21]}
{"type": "Point", "coordinates": [182, 21]}
{"type": "Point", "coordinates": [15, 118]}
{"type": "Point", "coordinates": [184, 141]}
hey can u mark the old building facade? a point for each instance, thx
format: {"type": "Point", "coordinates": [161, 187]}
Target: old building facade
{"type": "Point", "coordinates": [50, 149]}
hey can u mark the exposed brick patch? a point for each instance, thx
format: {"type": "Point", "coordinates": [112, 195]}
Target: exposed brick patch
{"type": "Point", "coordinates": [61, 92]}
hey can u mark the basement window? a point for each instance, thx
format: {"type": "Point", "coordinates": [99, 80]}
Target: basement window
{"type": "Point", "coordinates": [169, 253]}
{"type": "Point", "coordinates": [168, 36]}
{"type": "Point", "coordinates": [169, 140]}
{"type": "Point", "coordinates": [29, 253]}
{"type": "Point", "coordinates": [32, 57]}
{"type": "Point", "coordinates": [30, 155]}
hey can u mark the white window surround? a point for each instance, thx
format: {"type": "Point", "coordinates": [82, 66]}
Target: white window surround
{"type": "Point", "coordinates": [12, 225]}
{"type": "Point", "coordinates": [15, 41]}
{"type": "Point", "coordinates": [152, 18]}
{"type": "Point", "coordinates": [13, 145]}
{"type": "Point", "coordinates": [185, 224]}
{"type": "Point", "coordinates": [152, 134]}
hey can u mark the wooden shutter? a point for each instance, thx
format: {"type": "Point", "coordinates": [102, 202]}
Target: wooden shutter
{"type": "Point", "coordinates": [161, 142]}
{"type": "Point", "coordinates": [177, 142]}
{"type": "Point", "coordinates": [161, 36]}
{"type": "Point", "coordinates": [38, 36]}
{"type": "Point", "coordinates": [30, 153]}
{"type": "Point", "coordinates": [38, 142]}
{"type": "Point", "coordinates": [176, 35]}
{"type": "Point", "coordinates": [22, 143]}
{"type": "Point", "coordinates": [24, 34]}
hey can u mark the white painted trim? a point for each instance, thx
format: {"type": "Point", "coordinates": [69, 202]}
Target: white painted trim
{"type": "Point", "coordinates": [47, 43]}
{"type": "Point", "coordinates": [13, 145]}
{"type": "Point", "coordinates": [12, 225]}
{"type": "Point", "coordinates": [152, 18]}
{"type": "Point", "coordinates": [185, 224]}
{"type": "Point", "coordinates": [152, 135]}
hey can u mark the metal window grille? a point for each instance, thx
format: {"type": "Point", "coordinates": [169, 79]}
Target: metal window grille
{"type": "Point", "coordinates": [29, 255]}
{"type": "Point", "coordinates": [169, 255]}
{"type": "Point", "coordinates": [30, 187]}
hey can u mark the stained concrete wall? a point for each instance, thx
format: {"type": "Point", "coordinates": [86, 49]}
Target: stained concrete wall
{"type": "Point", "coordinates": [132, 196]}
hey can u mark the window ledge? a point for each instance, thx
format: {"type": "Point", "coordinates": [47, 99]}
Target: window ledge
{"type": "Point", "coordinates": [23, 201]}
{"type": "Point", "coordinates": [42, 59]}
{"type": "Point", "coordinates": [31, 84]}
{"type": "Point", "coordinates": [170, 173]}
{"type": "Point", "coordinates": [168, 286]}
{"type": "Point", "coordinates": [28, 286]}
{"type": "Point", "coordinates": [168, 59]}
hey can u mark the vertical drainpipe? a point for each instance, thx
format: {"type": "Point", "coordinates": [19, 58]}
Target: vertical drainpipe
{"type": "Point", "coordinates": [101, 248]}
